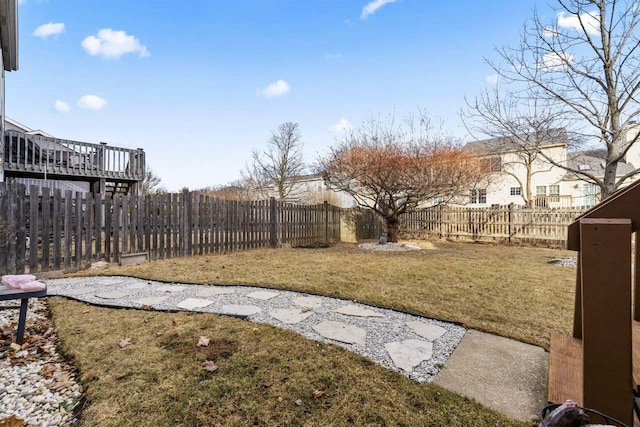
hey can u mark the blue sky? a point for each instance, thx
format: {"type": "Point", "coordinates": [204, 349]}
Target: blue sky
{"type": "Point", "coordinates": [200, 83]}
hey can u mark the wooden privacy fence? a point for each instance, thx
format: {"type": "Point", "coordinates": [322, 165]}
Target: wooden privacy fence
{"type": "Point", "coordinates": [502, 223]}
{"type": "Point", "coordinates": [54, 230]}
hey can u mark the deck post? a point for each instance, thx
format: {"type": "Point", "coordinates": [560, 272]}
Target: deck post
{"type": "Point", "coordinates": [605, 261]}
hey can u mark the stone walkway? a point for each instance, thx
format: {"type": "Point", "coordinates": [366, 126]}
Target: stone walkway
{"type": "Point", "coordinates": [415, 346]}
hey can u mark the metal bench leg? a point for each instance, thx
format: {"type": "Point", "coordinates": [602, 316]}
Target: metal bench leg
{"type": "Point", "coordinates": [22, 320]}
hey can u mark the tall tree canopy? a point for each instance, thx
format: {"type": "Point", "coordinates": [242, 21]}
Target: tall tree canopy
{"type": "Point", "coordinates": [585, 69]}
{"type": "Point", "coordinates": [391, 168]}
{"type": "Point", "coordinates": [278, 164]}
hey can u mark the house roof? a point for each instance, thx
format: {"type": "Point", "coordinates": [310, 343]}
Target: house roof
{"type": "Point", "coordinates": [592, 161]}
{"type": "Point", "coordinates": [25, 129]}
{"type": "Point", "coordinates": [503, 145]}
{"type": "Point", "coordinates": [9, 33]}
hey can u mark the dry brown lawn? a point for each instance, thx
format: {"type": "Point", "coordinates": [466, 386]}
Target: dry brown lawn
{"type": "Point", "coordinates": [506, 290]}
{"type": "Point", "coordinates": [160, 380]}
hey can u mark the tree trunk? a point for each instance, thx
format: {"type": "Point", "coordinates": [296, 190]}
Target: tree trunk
{"type": "Point", "coordinates": [393, 225]}
{"type": "Point", "coordinates": [609, 180]}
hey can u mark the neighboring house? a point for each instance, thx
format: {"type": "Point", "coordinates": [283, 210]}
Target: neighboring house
{"type": "Point", "coordinates": [34, 157]}
{"type": "Point", "coordinates": [548, 186]}
{"type": "Point", "coordinates": [8, 56]}
{"type": "Point", "coordinates": [312, 189]}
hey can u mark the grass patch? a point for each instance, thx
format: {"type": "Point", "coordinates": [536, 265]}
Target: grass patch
{"type": "Point", "coordinates": [159, 380]}
{"type": "Point", "coordinates": [505, 290]}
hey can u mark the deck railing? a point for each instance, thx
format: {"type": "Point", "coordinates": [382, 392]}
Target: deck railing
{"type": "Point", "coordinates": [30, 154]}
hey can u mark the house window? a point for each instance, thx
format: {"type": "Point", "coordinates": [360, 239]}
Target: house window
{"type": "Point", "coordinates": [478, 196]}
{"type": "Point", "coordinates": [589, 194]}
{"type": "Point", "coordinates": [515, 191]}
{"type": "Point", "coordinates": [491, 164]}
{"type": "Point", "coordinates": [584, 167]}
{"type": "Point", "coordinates": [554, 190]}
{"type": "Point", "coordinates": [541, 190]}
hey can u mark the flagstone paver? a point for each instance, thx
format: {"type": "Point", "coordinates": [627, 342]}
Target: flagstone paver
{"type": "Point", "coordinates": [170, 288]}
{"type": "Point", "coordinates": [408, 354]}
{"type": "Point", "coordinates": [263, 295]}
{"type": "Point", "coordinates": [109, 282]}
{"type": "Point", "coordinates": [342, 332]}
{"type": "Point", "coordinates": [150, 300]}
{"type": "Point", "coordinates": [217, 290]}
{"type": "Point", "coordinates": [136, 286]}
{"type": "Point", "coordinates": [193, 303]}
{"type": "Point", "coordinates": [290, 315]}
{"type": "Point", "coordinates": [354, 310]}
{"type": "Point", "coordinates": [311, 302]}
{"type": "Point", "coordinates": [430, 332]}
{"type": "Point", "coordinates": [79, 291]}
{"type": "Point", "coordinates": [240, 310]}
{"type": "Point", "coordinates": [112, 295]}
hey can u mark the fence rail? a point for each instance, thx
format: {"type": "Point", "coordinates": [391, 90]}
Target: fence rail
{"type": "Point", "coordinates": [52, 230]}
{"type": "Point", "coordinates": [510, 223]}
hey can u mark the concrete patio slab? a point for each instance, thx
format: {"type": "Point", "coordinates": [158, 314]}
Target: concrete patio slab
{"type": "Point", "coordinates": [500, 373]}
{"type": "Point", "coordinates": [110, 282]}
{"type": "Point", "coordinates": [409, 353]}
{"type": "Point", "coordinates": [425, 330]}
{"type": "Point", "coordinates": [342, 332]}
{"type": "Point", "coordinates": [78, 291]}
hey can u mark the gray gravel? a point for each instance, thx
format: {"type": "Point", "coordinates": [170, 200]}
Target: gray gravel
{"type": "Point", "coordinates": [380, 330]}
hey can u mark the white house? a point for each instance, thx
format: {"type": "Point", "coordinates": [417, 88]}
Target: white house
{"type": "Point", "coordinates": [513, 170]}
{"type": "Point", "coordinates": [312, 189]}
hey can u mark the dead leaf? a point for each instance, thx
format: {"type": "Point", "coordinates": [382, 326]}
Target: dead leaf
{"type": "Point", "coordinates": [318, 394]}
{"type": "Point", "coordinates": [203, 342]}
{"type": "Point", "coordinates": [307, 309]}
{"type": "Point", "coordinates": [12, 421]}
{"type": "Point", "coordinates": [78, 331]}
{"type": "Point", "coordinates": [125, 342]}
{"type": "Point", "coordinates": [298, 402]}
{"type": "Point", "coordinates": [85, 311]}
{"type": "Point", "coordinates": [210, 365]}
{"type": "Point", "coordinates": [267, 384]}
{"type": "Point", "coordinates": [48, 370]}
{"type": "Point", "coordinates": [173, 321]}
{"type": "Point", "coordinates": [15, 347]}
{"type": "Point", "coordinates": [62, 381]}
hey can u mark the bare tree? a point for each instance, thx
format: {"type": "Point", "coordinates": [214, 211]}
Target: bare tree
{"type": "Point", "coordinates": [392, 168]}
{"type": "Point", "coordinates": [151, 183]}
{"type": "Point", "coordinates": [278, 164]}
{"type": "Point", "coordinates": [235, 190]}
{"type": "Point", "coordinates": [584, 67]}
{"type": "Point", "coordinates": [518, 130]}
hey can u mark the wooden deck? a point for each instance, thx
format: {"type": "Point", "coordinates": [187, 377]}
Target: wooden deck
{"type": "Point", "coordinates": [565, 367]}
{"type": "Point", "coordinates": [36, 156]}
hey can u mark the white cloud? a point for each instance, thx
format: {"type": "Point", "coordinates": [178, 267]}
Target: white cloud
{"type": "Point", "coordinates": [341, 126]}
{"type": "Point", "coordinates": [92, 102]}
{"type": "Point", "coordinates": [491, 79]}
{"type": "Point", "coordinates": [61, 106]}
{"type": "Point", "coordinates": [278, 88]}
{"type": "Point", "coordinates": [113, 44]}
{"type": "Point", "coordinates": [330, 56]}
{"type": "Point", "coordinates": [590, 20]}
{"type": "Point", "coordinates": [373, 6]}
{"type": "Point", "coordinates": [555, 60]}
{"type": "Point", "coordinates": [50, 29]}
